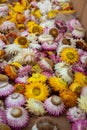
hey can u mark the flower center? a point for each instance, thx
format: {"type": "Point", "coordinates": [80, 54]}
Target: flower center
{"type": "Point", "coordinates": [19, 88]}
{"type": "Point", "coordinates": [4, 127]}
{"type": "Point", "coordinates": [36, 91]}
{"type": "Point", "coordinates": [35, 29]}
{"type": "Point", "coordinates": [85, 79]}
{"type": "Point", "coordinates": [3, 78]}
{"type": "Point", "coordinates": [66, 41]}
{"type": "Point", "coordinates": [78, 89]}
{"type": "Point", "coordinates": [22, 40]}
{"type": "Point", "coordinates": [3, 85]}
{"type": "Point", "coordinates": [54, 32]}
{"type": "Point", "coordinates": [70, 55]}
{"type": "Point", "coordinates": [56, 100]}
{"type": "Point", "coordinates": [15, 95]}
{"type": "Point", "coordinates": [16, 112]}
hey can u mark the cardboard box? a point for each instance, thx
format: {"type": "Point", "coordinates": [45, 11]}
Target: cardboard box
{"type": "Point", "coordinates": [81, 8]}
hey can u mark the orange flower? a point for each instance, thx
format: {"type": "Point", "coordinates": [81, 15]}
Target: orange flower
{"type": "Point", "coordinates": [2, 53]}
{"type": "Point", "coordinates": [11, 71]}
{"type": "Point", "coordinates": [20, 87]}
{"type": "Point", "coordinates": [69, 98]}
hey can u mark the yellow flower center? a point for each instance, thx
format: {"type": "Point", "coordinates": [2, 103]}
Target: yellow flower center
{"type": "Point", "coordinates": [78, 89]}
{"type": "Point", "coordinates": [36, 91]}
{"type": "Point", "coordinates": [85, 79]}
{"type": "Point", "coordinates": [70, 55]}
{"type": "Point", "coordinates": [35, 29]}
{"type": "Point", "coordinates": [19, 88]}
{"type": "Point", "coordinates": [22, 40]}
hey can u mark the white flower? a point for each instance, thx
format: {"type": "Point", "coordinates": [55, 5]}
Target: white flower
{"type": "Point", "coordinates": [3, 10]}
{"type": "Point", "coordinates": [32, 37]}
{"type": "Point", "coordinates": [75, 114]}
{"type": "Point", "coordinates": [61, 47]}
{"type": "Point", "coordinates": [36, 107]}
{"type": "Point", "coordinates": [44, 6]}
{"type": "Point", "coordinates": [2, 44]}
{"type": "Point", "coordinates": [7, 25]}
{"type": "Point", "coordinates": [35, 46]}
{"type": "Point", "coordinates": [25, 56]}
{"type": "Point", "coordinates": [64, 70]}
{"type": "Point", "coordinates": [27, 13]}
{"type": "Point", "coordinates": [12, 49]}
{"type": "Point", "coordinates": [48, 23]}
{"type": "Point", "coordinates": [45, 64]}
{"type": "Point", "coordinates": [45, 38]}
{"type": "Point", "coordinates": [82, 103]}
{"type": "Point", "coordinates": [83, 59]}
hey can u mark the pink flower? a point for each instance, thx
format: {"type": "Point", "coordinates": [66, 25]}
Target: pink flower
{"type": "Point", "coordinates": [17, 117]}
{"type": "Point", "coordinates": [79, 125]}
{"type": "Point", "coordinates": [54, 105]}
{"type": "Point", "coordinates": [15, 99]}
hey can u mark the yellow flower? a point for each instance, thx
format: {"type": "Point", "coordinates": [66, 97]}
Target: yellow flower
{"type": "Point", "coordinates": [58, 84]}
{"type": "Point", "coordinates": [16, 64]}
{"type": "Point", "coordinates": [24, 3]}
{"type": "Point", "coordinates": [69, 98]}
{"type": "Point", "coordinates": [69, 55]}
{"type": "Point", "coordinates": [37, 13]}
{"type": "Point", "coordinates": [2, 19]}
{"type": "Point", "coordinates": [75, 87]}
{"type": "Point", "coordinates": [2, 1]}
{"type": "Point", "coordinates": [2, 53]}
{"type": "Point", "coordinates": [81, 78]}
{"type": "Point", "coordinates": [37, 91]}
{"type": "Point", "coordinates": [36, 68]}
{"type": "Point", "coordinates": [22, 41]}
{"type": "Point", "coordinates": [37, 78]}
{"type": "Point", "coordinates": [82, 103]}
{"type": "Point", "coordinates": [21, 26]}
{"type": "Point", "coordinates": [12, 16]}
{"type": "Point", "coordinates": [65, 5]}
{"type": "Point", "coordinates": [30, 24]}
{"type": "Point", "coordinates": [36, 29]}
{"type": "Point", "coordinates": [18, 7]}
{"type": "Point", "coordinates": [52, 14]}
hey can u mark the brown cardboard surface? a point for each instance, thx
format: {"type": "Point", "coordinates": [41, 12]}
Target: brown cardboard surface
{"type": "Point", "coordinates": [78, 5]}
{"type": "Point", "coordinates": [81, 8]}
{"type": "Point", "coordinates": [84, 18]}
